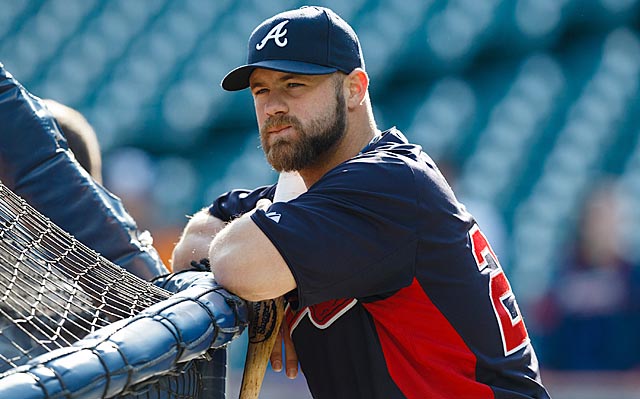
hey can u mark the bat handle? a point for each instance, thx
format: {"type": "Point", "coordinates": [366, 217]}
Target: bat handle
{"type": "Point", "coordinates": [265, 318]}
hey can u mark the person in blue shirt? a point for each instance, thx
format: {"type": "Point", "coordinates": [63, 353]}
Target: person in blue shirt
{"type": "Point", "coordinates": [393, 290]}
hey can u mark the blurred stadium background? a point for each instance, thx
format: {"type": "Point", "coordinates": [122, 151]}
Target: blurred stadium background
{"type": "Point", "coordinates": [525, 104]}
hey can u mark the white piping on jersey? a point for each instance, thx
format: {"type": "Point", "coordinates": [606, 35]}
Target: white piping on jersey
{"type": "Point", "coordinates": [307, 312]}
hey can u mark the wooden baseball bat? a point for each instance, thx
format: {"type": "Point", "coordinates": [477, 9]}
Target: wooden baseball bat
{"type": "Point", "coordinates": [265, 317]}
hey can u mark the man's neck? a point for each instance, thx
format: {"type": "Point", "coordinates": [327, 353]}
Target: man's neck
{"type": "Point", "coordinates": [350, 146]}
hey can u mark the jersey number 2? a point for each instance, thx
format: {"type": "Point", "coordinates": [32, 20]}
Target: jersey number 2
{"type": "Point", "coordinates": [512, 329]}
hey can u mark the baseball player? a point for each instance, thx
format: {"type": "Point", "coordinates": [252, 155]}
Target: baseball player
{"type": "Point", "coordinates": [393, 289]}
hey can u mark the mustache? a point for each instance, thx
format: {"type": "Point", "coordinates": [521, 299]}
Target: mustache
{"type": "Point", "coordinates": [279, 120]}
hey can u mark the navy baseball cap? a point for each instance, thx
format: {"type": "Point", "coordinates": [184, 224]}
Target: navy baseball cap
{"type": "Point", "coordinates": [310, 41]}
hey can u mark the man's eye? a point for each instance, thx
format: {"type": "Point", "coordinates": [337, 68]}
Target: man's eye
{"type": "Point", "coordinates": [294, 84]}
{"type": "Point", "coordinates": [259, 91]}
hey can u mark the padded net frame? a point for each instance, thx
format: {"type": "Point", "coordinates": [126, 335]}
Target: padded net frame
{"type": "Point", "coordinates": [54, 291]}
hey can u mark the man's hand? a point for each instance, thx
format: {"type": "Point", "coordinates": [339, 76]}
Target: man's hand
{"type": "Point", "coordinates": [290, 356]}
{"type": "Point", "coordinates": [263, 204]}
{"type": "Point", "coordinates": [195, 239]}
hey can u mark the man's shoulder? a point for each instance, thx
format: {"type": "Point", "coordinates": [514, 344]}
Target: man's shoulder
{"type": "Point", "coordinates": [373, 168]}
{"type": "Point", "coordinates": [391, 152]}
{"type": "Point", "coordinates": [393, 147]}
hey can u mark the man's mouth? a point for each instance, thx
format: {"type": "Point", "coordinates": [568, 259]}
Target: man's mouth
{"type": "Point", "coordinates": [278, 129]}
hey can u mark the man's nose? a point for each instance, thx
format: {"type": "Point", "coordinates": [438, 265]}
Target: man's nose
{"type": "Point", "coordinates": [275, 104]}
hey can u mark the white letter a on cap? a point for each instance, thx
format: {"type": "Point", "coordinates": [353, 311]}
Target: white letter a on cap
{"type": "Point", "coordinates": [276, 33]}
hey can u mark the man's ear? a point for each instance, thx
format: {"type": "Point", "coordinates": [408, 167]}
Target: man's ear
{"type": "Point", "coordinates": [357, 84]}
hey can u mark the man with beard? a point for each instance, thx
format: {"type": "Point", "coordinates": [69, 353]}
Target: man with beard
{"type": "Point", "coordinates": [393, 291]}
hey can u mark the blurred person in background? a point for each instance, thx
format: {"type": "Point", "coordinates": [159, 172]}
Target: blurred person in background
{"type": "Point", "coordinates": [393, 290]}
{"type": "Point", "coordinates": [589, 319]}
{"type": "Point", "coordinates": [132, 189]}
{"type": "Point", "coordinates": [83, 143]}
{"type": "Point", "coordinates": [81, 138]}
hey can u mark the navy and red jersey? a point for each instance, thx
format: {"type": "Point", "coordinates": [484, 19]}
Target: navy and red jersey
{"type": "Point", "coordinates": [399, 294]}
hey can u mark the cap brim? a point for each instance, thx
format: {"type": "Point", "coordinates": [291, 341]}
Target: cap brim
{"type": "Point", "coordinates": [238, 78]}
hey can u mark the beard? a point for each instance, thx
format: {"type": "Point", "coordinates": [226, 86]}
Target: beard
{"type": "Point", "coordinates": [313, 142]}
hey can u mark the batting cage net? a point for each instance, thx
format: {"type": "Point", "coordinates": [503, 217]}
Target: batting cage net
{"type": "Point", "coordinates": [75, 325]}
